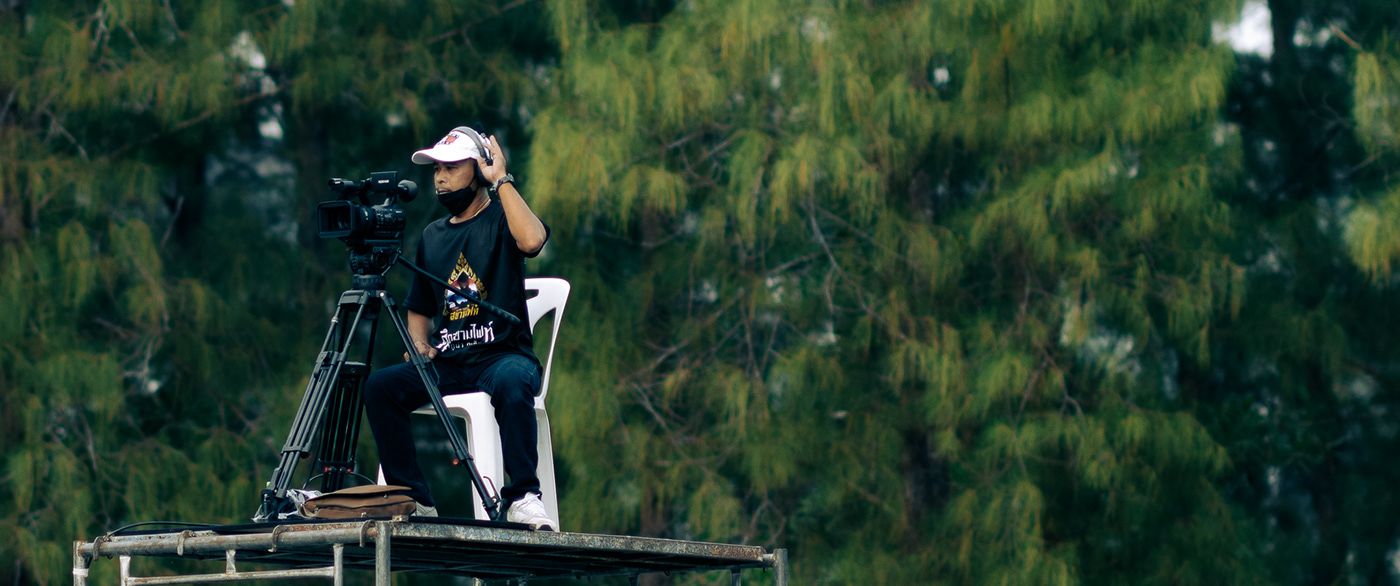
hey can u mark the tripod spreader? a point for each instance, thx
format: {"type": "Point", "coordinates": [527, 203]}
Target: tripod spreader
{"type": "Point", "coordinates": [473, 297]}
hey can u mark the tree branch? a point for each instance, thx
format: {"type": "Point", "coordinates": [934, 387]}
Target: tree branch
{"type": "Point", "coordinates": [859, 292]}
{"type": "Point", "coordinates": [1344, 37]}
{"type": "Point", "coordinates": [191, 122]}
{"type": "Point", "coordinates": [56, 126]}
{"type": "Point", "coordinates": [170, 15]}
{"type": "Point", "coordinates": [463, 30]}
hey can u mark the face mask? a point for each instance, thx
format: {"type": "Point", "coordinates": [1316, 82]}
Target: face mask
{"type": "Point", "coordinates": [457, 202]}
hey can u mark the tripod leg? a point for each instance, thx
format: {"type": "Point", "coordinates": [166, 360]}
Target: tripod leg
{"type": "Point", "coordinates": [340, 435]}
{"type": "Point", "coordinates": [313, 401]}
{"type": "Point", "coordinates": [461, 455]}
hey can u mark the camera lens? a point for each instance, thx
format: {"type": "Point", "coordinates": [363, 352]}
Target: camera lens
{"type": "Point", "coordinates": [335, 219]}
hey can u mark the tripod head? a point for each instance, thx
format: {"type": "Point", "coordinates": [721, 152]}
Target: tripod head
{"type": "Point", "coordinates": [372, 233]}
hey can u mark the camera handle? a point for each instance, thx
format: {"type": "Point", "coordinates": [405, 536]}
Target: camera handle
{"type": "Point", "coordinates": [508, 316]}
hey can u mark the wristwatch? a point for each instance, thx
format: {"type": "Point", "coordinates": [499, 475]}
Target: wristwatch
{"type": "Point", "coordinates": [502, 181]}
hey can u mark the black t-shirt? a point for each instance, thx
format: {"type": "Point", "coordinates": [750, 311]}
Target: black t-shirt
{"type": "Point", "coordinates": [479, 255]}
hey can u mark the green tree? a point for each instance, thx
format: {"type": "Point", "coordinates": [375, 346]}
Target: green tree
{"type": "Point", "coordinates": [979, 291]}
{"type": "Point", "coordinates": [110, 358]}
{"type": "Point", "coordinates": [1305, 375]}
{"type": "Point", "coordinates": [924, 291]}
{"type": "Point", "coordinates": [163, 291]}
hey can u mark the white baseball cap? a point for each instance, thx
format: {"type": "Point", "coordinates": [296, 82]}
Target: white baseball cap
{"type": "Point", "coordinates": [455, 147]}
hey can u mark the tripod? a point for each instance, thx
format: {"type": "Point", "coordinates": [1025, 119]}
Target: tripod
{"type": "Point", "coordinates": [332, 395]}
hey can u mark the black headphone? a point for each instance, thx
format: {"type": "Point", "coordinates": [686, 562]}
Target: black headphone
{"type": "Point", "coordinates": [479, 138]}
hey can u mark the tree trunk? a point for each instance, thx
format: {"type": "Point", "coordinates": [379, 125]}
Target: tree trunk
{"type": "Point", "coordinates": [925, 477]}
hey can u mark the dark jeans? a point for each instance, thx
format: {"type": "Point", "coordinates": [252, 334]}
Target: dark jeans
{"type": "Point", "coordinates": [512, 380]}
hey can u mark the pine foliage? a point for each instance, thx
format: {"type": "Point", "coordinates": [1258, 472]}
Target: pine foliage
{"type": "Point", "coordinates": [898, 286]}
{"type": "Point", "coordinates": [968, 291]}
{"type": "Point", "coordinates": [1372, 237]}
{"type": "Point", "coordinates": [163, 292]}
{"type": "Point", "coordinates": [1311, 352]}
{"type": "Point", "coordinates": [97, 329]}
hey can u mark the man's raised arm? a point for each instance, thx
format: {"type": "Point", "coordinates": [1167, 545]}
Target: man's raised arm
{"type": "Point", "coordinates": [527, 229]}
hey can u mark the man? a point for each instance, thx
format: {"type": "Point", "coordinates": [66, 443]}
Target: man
{"type": "Point", "coordinates": [481, 247]}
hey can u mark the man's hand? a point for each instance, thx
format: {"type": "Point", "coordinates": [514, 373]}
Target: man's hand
{"type": "Point", "coordinates": [424, 349]}
{"type": "Point", "coordinates": [497, 168]}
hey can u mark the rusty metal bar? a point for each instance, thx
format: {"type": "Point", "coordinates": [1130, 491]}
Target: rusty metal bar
{"type": "Point", "coordinates": [780, 567]}
{"type": "Point", "coordinates": [326, 572]}
{"type": "Point", "coordinates": [339, 552]}
{"type": "Point", "coordinates": [382, 570]}
{"type": "Point", "coordinates": [208, 542]}
{"type": "Point", "coordinates": [186, 540]}
{"type": "Point", "coordinates": [80, 565]}
{"type": "Point", "coordinates": [230, 574]}
{"type": "Point", "coordinates": [582, 541]}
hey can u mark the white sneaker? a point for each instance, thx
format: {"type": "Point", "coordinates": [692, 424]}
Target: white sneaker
{"type": "Point", "coordinates": [421, 511]}
{"type": "Point", "coordinates": [529, 510]}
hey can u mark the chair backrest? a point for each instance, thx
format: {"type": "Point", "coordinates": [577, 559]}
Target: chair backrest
{"type": "Point", "coordinates": [551, 294]}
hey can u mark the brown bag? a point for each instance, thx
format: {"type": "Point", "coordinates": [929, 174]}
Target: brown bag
{"type": "Point", "coordinates": [370, 500]}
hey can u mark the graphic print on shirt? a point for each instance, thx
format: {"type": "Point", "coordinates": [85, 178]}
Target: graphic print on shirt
{"type": "Point", "coordinates": [457, 308]}
{"type": "Point", "coordinates": [463, 277]}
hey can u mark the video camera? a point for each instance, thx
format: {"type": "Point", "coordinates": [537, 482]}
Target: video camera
{"type": "Point", "coordinates": [372, 232]}
{"type": "Point", "coordinates": [348, 221]}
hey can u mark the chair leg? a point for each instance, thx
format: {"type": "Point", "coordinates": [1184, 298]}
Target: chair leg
{"type": "Point", "coordinates": [545, 468]}
{"type": "Point", "coordinates": [484, 441]}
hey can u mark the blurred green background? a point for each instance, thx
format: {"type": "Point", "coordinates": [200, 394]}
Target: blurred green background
{"type": "Point", "coordinates": [944, 292]}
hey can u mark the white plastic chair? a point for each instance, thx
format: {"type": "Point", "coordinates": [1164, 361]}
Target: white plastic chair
{"type": "Point", "coordinates": [484, 435]}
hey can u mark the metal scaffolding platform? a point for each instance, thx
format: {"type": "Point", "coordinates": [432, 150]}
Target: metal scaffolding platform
{"type": "Point", "coordinates": [488, 551]}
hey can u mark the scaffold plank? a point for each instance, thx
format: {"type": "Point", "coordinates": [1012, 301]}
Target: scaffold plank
{"type": "Point", "coordinates": [485, 550]}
